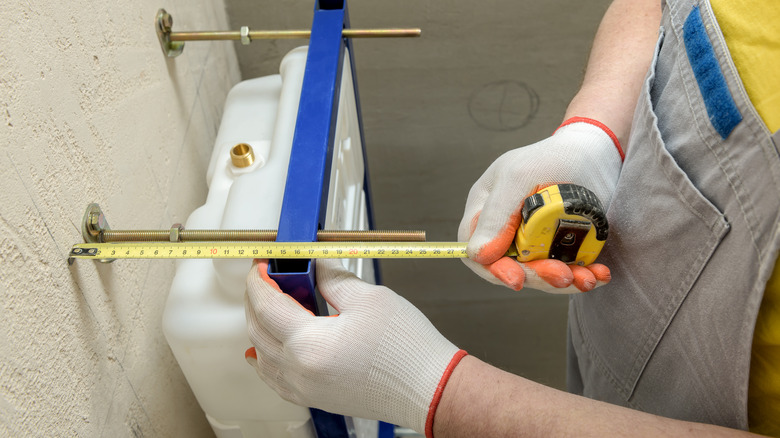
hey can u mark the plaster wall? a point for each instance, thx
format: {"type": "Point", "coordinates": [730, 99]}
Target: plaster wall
{"type": "Point", "coordinates": [91, 111]}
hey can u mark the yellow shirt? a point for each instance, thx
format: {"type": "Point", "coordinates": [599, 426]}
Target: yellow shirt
{"type": "Point", "coordinates": [751, 29]}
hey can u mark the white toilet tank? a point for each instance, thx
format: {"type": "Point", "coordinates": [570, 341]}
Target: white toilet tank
{"type": "Point", "coordinates": [204, 319]}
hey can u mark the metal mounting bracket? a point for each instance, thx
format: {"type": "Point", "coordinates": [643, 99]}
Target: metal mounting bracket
{"type": "Point", "coordinates": [163, 23]}
{"type": "Point", "coordinates": [92, 226]}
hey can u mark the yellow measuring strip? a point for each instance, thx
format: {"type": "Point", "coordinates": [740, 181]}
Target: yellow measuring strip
{"type": "Point", "coordinates": [269, 250]}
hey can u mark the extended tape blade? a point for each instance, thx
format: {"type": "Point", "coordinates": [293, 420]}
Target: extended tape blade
{"type": "Point", "coordinates": [268, 250]}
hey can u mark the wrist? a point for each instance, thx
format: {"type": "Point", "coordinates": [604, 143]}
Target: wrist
{"type": "Point", "coordinates": [591, 102]}
{"type": "Point", "coordinates": [612, 136]}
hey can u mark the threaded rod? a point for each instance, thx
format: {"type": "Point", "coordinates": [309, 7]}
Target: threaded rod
{"type": "Point", "coordinates": [226, 35]}
{"type": "Point", "coordinates": [258, 236]}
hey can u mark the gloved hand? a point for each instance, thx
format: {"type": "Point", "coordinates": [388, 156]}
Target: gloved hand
{"type": "Point", "coordinates": [582, 151]}
{"type": "Point", "coordinates": [379, 358]}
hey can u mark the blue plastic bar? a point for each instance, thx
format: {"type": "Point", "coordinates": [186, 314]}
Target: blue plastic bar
{"type": "Point", "coordinates": [386, 430]}
{"type": "Point", "coordinates": [308, 175]}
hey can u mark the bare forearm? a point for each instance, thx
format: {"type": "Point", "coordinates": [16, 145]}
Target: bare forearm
{"type": "Point", "coordinates": [481, 400]}
{"type": "Point", "coordinates": [622, 52]}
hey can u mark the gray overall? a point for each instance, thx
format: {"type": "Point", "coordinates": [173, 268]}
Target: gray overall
{"type": "Point", "coordinates": [693, 239]}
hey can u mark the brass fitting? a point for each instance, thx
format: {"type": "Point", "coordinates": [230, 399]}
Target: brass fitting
{"type": "Point", "coordinates": [242, 155]}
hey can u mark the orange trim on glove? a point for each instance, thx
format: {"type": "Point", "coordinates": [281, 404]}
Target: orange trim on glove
{"type": "Point", "coordinates": [440, 390]}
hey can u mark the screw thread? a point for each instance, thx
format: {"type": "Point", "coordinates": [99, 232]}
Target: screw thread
{"type": "Point", "coordinates": [371, 236]}
{"type": "Point", "coordinates": [134, 236]}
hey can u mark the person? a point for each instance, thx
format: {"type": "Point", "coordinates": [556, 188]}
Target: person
{"type": "Point", "coordinates": [682, 335]}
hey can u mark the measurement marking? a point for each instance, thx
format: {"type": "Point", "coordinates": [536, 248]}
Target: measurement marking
{"type": "Point", "coordinates": [271, 250]}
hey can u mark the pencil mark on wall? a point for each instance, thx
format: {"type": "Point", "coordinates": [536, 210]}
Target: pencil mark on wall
{"type": "Point", "coordinates": [32, 201]}
{"type": "Point", "coordinates": [503, 105]}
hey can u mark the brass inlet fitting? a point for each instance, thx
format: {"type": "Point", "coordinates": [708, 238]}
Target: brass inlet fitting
{"type": "Point", "coordinates": [242, 155]}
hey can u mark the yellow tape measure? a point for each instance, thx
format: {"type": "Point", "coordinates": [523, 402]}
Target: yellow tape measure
{"type": "Point", "coordinates": [269, 250]}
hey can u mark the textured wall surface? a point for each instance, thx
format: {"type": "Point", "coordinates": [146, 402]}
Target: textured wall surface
{"type": "Point", "coordinates": [91, 111]}
{"type": "Point", "coordinates": [484, 78]}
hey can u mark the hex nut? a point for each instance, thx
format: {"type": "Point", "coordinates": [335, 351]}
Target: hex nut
{"type": "Point", "coordinates": [245, 40]}
{"type": "Point", "coordinates": [176, 230]}
{"type": "Point", "coordinates": [167, 21]}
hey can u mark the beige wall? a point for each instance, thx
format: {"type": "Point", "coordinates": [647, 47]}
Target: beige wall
{"type": "Point", "coordinates": [91, 111]}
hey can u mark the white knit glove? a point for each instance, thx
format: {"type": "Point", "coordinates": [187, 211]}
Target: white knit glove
{"type": "Point", "coordinates": [379, 358]}
{"type": "Point", "coordinates": [582, 151]}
